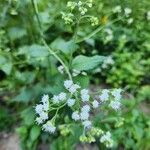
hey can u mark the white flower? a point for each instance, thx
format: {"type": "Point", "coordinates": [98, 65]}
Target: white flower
{"type": "Point", "coordinates": [117, 9]}
{"type": "Point", "coordinates": [87, 124]}
{"type": "Point", "coordinates": [73, 88]}
{"type": "Point", "coordinates": [43, 116]}
{"type": "Point", "coordinates": [117, 94]}
{"type": "Point", "coordinates": [84, 115]}
{"type": "Point", "coordinates": [148, 15]}
{"type": "Point", "coordinates": [104, 96]}
{"type": "Point", "coordinates": [68, 84]}
{"type": "Point", "coordinates": [127, 11]}
{"type": "Point", "coordinates": [39, 120]}
{"type": "Point", "coordinates": [106, 138]}
{"type": "Point", "coordinates": [85, 97]}
{"type": "Point", "coordinates": [108, 31]}
{"type": "Point", "coordinates": [95, 104]}
{"type": "Point", "coordinates": [109, 37]}
{"type": "Point", "coordinates": [46, 106]}
{"type": "Point", "coordinates": [75, 115]}
{"type": "Point", "coordinates": [55, 99]}
{"type": "Point", "coordinates": [48, 127]}
{"type": "Point", "coordinates": [61, 69]}
{"type": "Point", "coordinates": [84, 92]}
{"type": "Point", "coordinates": [130, 20]}
{"type": "Point", "coordinates": [39, 108]}
{"type": "Point", "coordinates": [70, 102]}
{"type": "Point", "coordinates": [62, 96]}
{"type": "Point", "coordinates": [115, 105]}
{"type": "Point", "coordinates": [45, 98]}
{"type": "Point", "coordinates": [85, 108]}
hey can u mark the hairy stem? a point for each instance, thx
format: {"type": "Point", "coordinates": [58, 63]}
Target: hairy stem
{"type": "Point", "coordinates": [44, 42]}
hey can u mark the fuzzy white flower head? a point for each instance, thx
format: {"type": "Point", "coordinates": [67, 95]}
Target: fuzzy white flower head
{"type": "Point", "coordinates": [62, 96]}
{"type": "Point", "coordinates": [85, 97]}
{"type": "Point", "coordinates": [109, 60]}
{"type": "Point", "coordinates": [39, 108]}
{"type": "Point", "coordinates": [109, 31]}
{"type": "Point", "coordinates": [130, 20]}
{"type": "Point", "coordinates": [107, 139]}
{"type": "Point", "coordinates": [55, 99]}
{"type": "Point", "coordinates": [127, 11]}
{"type": "Point", "coordinates": [61, 69]}
{"type": "Point", "coordinates": [117, 94]}
{"type": "Point", "coordinates": [95, 104]}
{"type": "Point", "coordinates": [73, 88]}
{"type": "Point", "coordinates": [85, 108]}
{"type": "Point", "coordinates": [87, 124]}
{"type": "Point", "coordinates": [148, 15]}
{"type": "Point", "coordinates": [48, 127]}
{"type": "Point", "coordinates": [105, 95]}
{"type": "Point", "coordinates": [45, 98]}
{"type": "Point", "coordinates": [70, 102]}
{"type": "Point", "coordinates": [75, 115]}
{"type": "Point", "coordinates": [46, 106]}
{"type": "Point", "coordinates": [115, 105]}
{"type": "Point", "coordinates": [84, 91]}
{"type": "Point", "coordinates": [43, 116]}
{"type": "Point", "coordinates": [39, 120]}
{"type": "Point", "coordinates": [68, 84]}
{"type": "Point", "coordinates": [117, 9]}
{"type": "Point", "coordinates": [84, 115]}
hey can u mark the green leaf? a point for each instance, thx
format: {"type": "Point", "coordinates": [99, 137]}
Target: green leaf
{"type": "Point", "coordinates": [16, 33]}
{"type": "Point", "coordinates": [87, 63]}
{"type": "Point", "coordinates": [7, 68]}
{"type": "Point", "coordinates": [28, 116]}
{"type": "Point", "coordinates": [67, 47]}
{"type": "Point", "coordinates": [82, 80]}
{"type": "Point", "coordinates": [35, 132]}
{"type": "Point", "coordinates": [25, 95]}
{"type": "Point", "coordinates": [37, 51]}
{"type": "Point", "coordinates": [5, 65]}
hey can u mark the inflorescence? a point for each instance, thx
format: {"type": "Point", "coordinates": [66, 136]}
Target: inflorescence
{"type": "Point", "coordinates": [82, 103]}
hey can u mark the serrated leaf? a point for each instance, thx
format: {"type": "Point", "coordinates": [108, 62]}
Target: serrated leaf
{"type": "Point", "coordinates": [37, 51]}
{"type": "Point", "coordinates": [67, 47]}
{"type": "Point", "coordinates": [87, 63]}
{"type": "Point", "coordinates": [7, 68]}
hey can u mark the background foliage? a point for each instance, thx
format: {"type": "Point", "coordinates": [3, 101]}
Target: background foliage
{"type": "Point", "coordinates": [27, 69]}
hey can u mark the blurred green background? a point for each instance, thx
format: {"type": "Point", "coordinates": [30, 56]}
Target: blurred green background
{"type": "Point", "coordinates": [27, 70]}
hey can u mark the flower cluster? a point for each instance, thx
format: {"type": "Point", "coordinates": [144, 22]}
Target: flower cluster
{"type": "Point", "coordinates": [42, 109]}
{"type": "Point", "coordinates": [148, 15]}
{"type": "Point", "coordinates": [109, 34]}
{"type": "Point", "coordinates": [82, 8]}
{"type": "Point", "coordinates": [107, 62]}
{"type": "Point", "coordinates": [106, 138]}
{"type": "Point", "coordinates": [82, 104]}
{"type": "Point", "coordinates": [127, 13]}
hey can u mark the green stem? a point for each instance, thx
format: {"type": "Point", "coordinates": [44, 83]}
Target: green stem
{"type": "Point", "coordinates": [96, 31]}
{"type": "Point", "coordinates": [44, 42]}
